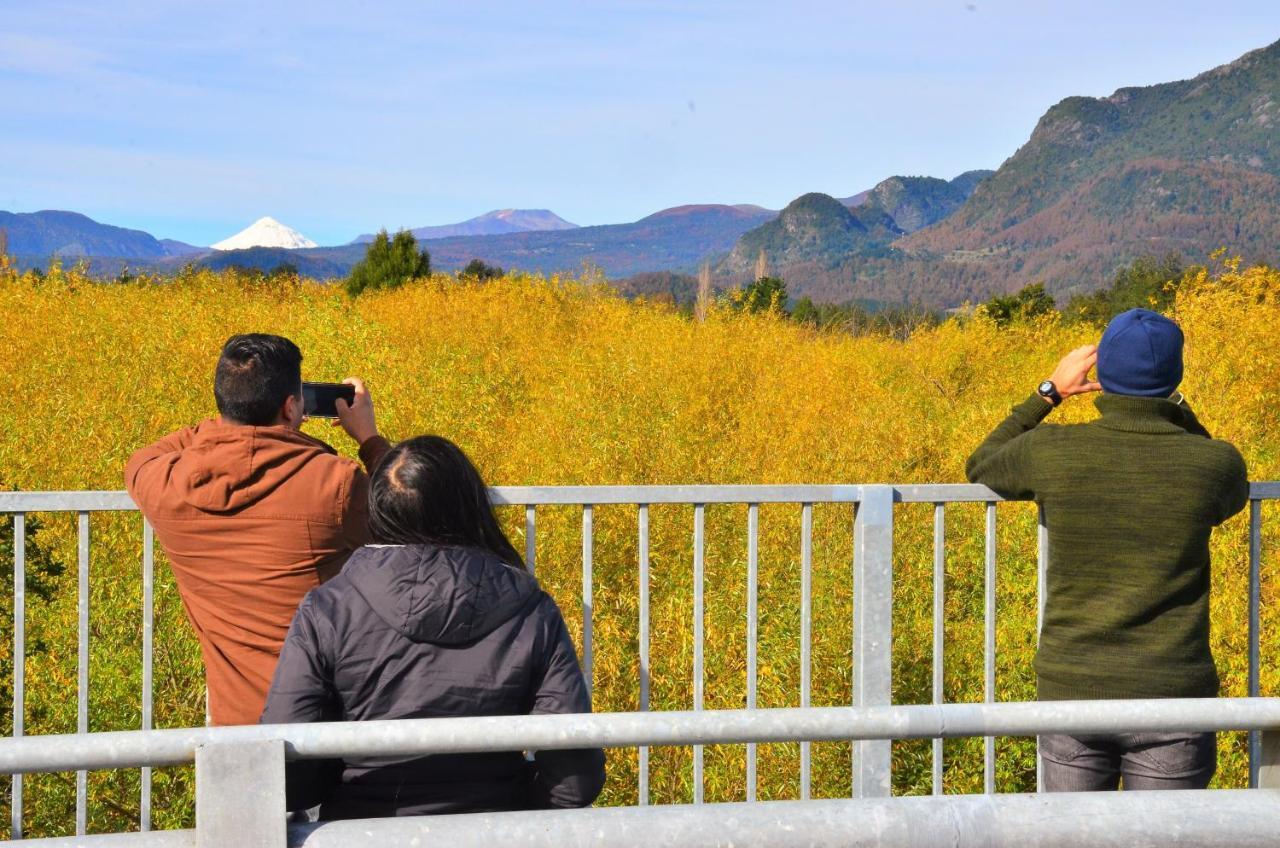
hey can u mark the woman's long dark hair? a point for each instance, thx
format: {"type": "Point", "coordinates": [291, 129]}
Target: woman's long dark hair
{"type": "Point", "coordinates": [427, 491]}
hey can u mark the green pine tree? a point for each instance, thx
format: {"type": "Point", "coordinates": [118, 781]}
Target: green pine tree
{"type": "Point", "coordinates": [1029, 302]}
{"type": "Point", "coordinates": [389, 261]}
{"type": "Point", "coordinates": [766, 294]}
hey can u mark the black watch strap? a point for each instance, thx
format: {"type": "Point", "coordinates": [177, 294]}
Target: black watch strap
{"type": "Point", "coordinates": [1049, 392]}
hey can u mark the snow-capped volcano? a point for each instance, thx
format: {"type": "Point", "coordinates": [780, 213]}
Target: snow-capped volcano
{"type": "Point", "coordinates": [265, 232]}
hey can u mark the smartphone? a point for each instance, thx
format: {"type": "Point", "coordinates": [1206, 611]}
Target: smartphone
{"type": "Point", "coordinates": [318, 398]}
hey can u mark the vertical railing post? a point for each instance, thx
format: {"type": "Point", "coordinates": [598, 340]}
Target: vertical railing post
{"type": "Point", "coordinates": [1042, 594]}
{"type": "Point", "coordinates": [530, 535]}
{"type": "Point", "coordinates": [587, 550]}
{"type": "Point", "coordinates": [19, 660]}
{"type": "Point", "coordinates": [643, 764]}
{"type": "Point", "coordinates": [806, 626]}
{"type": "Point", "coordinates": [1269, 760]}
{"type": "Point", "coordinates": [873, 632]}
{"type": "Point", "coordinates": [148, 662]}
{"type": "Point", "coordinates": [82, 683]}
{"type": "Point", "coordinates": [989, 648]}
{"type": "Point", "coordinates": [240, 801]}
{"type": "Point", "coordinates": [699, 530]}
{"type": "Point", "coordinates": [753, 627]}
{"type": "Point", "coordinates": [939, 629]}
{"type": "Point", "coordinates": [1255, 629]}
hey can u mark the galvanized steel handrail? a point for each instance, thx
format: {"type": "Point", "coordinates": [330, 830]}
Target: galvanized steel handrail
{"type": "Point", "coordinates": [1205, 819]}
{"type": "Point", "coordinates": [485, 734]}
{"type": "Point", "coordinates": [1201, 818]}
{"type": "Point", "coordinates": [119, 501]}
{"type": "Point", "coordinates": [873, 589]}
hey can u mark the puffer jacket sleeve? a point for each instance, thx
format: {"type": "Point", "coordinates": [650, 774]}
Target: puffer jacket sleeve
{"type": "Point", "coordinates": [575, 777]}
{"type": "Point", "coordinates": [303, 690]}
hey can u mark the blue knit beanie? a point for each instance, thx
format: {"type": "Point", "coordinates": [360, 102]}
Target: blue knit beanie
{"type": "Point", "coordinates": [1141, 355]}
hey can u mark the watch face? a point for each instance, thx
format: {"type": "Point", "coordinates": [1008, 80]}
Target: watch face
{"type": "Point", "coordinates": [1046, 388]}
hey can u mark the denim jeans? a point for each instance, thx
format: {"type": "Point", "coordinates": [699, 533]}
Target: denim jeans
{"type": "Point", "coordinates": [1144, 760]}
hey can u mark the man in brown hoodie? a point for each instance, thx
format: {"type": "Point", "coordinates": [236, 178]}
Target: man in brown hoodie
{"type": "Point", "coordinates": [253, 513]}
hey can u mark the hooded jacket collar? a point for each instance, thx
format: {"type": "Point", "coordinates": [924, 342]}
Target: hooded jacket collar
{"type": "Point", "coordinates": [440, 594]}
{"type": "Point", "coordinates": [1139, 414]}
{"type": "Point", "coordinates": [230, 466]}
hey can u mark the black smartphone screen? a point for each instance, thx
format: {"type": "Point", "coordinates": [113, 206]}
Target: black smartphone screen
{"type": "Point", "coordinates": [318, 398]}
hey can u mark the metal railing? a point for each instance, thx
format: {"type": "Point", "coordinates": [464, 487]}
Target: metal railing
{"type": "Point", "coordinates": [228, 759]}
{"type": "Point", "coordinates": [873, 564]}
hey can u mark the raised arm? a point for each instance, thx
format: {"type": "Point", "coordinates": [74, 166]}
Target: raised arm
{"type": "Point", "coordinates": [1003, 460]}
{"type": "Point", "coordinates": [360, 423]}
{"type": "Point", "coordinates": [575, 777]}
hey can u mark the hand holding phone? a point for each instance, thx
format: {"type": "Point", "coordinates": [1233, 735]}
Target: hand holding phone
{"type": "Point", "coordinates": [319, 400]}
{"type": "Point", "coordinates": [356, 415]}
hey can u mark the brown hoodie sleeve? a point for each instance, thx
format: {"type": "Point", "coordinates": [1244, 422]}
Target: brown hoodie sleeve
{"type": "Point", "coordinates": [372, 452]}
{"type": "Point", "coordinates": [355, 512]}
{"type": "Point", "coordinates": [142, 473]}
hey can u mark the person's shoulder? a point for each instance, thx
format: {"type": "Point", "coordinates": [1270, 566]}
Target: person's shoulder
{"type": "Point", "coordinates": [543, 608]}
{"type": "Point", "coordinates": [335, 464]}
{"type": "Point", "coordinates": [327, 602]}
{"type": "Point", "coordinates": [172, 443]}
{"type": "Point", "coordinates": [323, 473]}
{"type": "Point", "coordinates": [331, 592]}
{"type": "Point", "coordinates": [326, 459]}
{"type": "Point", "coordinates": [1225, 453]}
{"type": "Point", "coordinates": [146, 471]}
{"type": "Point", "coordinates": [1047, 433]}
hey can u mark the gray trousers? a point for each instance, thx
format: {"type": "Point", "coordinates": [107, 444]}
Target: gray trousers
{"type": "Point", "coordinates": [1143, 760]}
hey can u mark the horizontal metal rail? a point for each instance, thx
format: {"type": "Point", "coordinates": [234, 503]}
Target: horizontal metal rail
{"type": "Point", "coordinates": [111, 501]}
{"type": "Point", "coordinates": [405, 737]}
{"type": "Point", "coordinates": [1237, 818]}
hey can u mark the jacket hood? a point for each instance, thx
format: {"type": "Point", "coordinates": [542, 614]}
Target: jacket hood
{"type": "Point", "coordinates": [230, 466]}
{"type": "Point", "coordinates": [439, 594]}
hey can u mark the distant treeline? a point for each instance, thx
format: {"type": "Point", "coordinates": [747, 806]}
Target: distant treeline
{"type": "Point", "coordinates": [1149, 281]}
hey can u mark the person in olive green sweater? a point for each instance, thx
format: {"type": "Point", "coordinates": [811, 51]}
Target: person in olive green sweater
{"type": "Point", "coordinates": [1130, 500]}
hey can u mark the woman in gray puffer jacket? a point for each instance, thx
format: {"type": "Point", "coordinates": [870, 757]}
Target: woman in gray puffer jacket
{"type": "Point", "coordinates": [441, 618]}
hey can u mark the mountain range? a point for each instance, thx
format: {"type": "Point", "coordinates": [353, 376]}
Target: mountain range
{"type": "Point", "coordinates": [489, 224]}
{"type": "Point", "coordinates": [72, 235]}
{"type": "Point", "coordinates": [680, 237]}
{"type": "Point", "coordinates": [816, 227]}
{"type": "Point", "coordinates": [1184, 166]}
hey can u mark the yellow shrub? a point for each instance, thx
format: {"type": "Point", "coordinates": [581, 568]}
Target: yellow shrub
{"type": "Point", "coordinates": [562, 382]}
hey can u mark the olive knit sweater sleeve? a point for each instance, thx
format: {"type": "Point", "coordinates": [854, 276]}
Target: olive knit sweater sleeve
{"type": "Point", "coordinates": [1004, 461]}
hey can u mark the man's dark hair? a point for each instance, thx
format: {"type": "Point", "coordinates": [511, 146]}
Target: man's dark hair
{"type": "Point", "coordinates": [256, 372]}
{"type": "Point", "coordinates": [427, 491]}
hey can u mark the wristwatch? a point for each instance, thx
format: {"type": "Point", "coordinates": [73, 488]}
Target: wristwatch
{"type": "Point", "coordinates": [1049, 392]}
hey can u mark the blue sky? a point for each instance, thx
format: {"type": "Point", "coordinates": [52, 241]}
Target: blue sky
{"type": "Point", "coordinates": [190, 120]}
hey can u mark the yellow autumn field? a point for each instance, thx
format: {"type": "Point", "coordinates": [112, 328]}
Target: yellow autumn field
{"type": "Point", "coordinates": [561, 381]}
